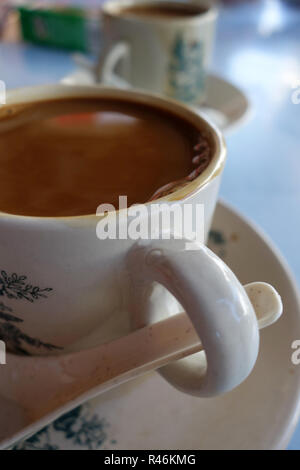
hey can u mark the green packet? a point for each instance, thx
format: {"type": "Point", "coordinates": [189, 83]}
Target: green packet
{"type": "Point", "coordinates": [62, 27]}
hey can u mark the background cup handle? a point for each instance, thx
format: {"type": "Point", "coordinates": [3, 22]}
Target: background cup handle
{"type": "Point", "coordinates": [215, 301]}
{"type": "Point", "coordinates": [108, 61]}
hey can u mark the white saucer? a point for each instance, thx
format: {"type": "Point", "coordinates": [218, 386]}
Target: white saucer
{"type": "Point", "coordinates": [149, 414]}
{"type": "Point", "coordinates": [226, 105]}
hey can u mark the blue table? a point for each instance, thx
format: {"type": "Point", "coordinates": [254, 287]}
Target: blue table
{"type": "Point", "coordinates": [258, 48]}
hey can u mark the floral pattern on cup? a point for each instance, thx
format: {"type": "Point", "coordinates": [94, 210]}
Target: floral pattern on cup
{"type": "Point", "coordinates": [17, 287]}
{"type": "Point", "coordinates": [186, 69]}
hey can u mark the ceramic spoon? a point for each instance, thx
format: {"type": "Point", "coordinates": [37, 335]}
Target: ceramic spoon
{"type": "Point", "coordinates": [43, 385]}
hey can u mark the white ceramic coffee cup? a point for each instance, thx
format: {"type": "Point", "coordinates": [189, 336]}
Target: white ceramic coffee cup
{"type": "Point", "coordinates": [166, 56]}
{"type": "Point", "coordinates": [62, 289]}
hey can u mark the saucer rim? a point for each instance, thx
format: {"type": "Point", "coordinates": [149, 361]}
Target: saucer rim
{"type": "Point", "coordinates": [293, 416]}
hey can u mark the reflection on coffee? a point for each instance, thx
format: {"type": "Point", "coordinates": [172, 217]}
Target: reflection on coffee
{"type": "Point", "coordinates": [163, 10]}
{"type": "Point", "coordinates": [65, 157]}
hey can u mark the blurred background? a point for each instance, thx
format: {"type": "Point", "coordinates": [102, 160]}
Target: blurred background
{"type": "Point", "coordinates": [257, 49]}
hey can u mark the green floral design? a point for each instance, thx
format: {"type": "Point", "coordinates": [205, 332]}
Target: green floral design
{"type": "Point", "coordinates": [80, 427]}
{"type": "Point", "coordinates": [15, 287]}
{"type": "Point", "coordinates": [217, 242]}
{"type": "Point", "coordinates": [186, 69]}
{"type": "Point", "coordinates": [18, 288]}
{"type": "Point", "coordinates": [217, 237]}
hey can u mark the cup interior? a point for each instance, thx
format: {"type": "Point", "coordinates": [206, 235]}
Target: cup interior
{"type": "Point", "coordinates": [182, 11]}
{"type": "Point", "coordinates": [18, 101]}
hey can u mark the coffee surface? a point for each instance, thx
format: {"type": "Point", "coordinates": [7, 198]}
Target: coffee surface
{"type": "Point", "coordinates": [167, 10]}
{"type": "Point", "coordinates": [65, 157]}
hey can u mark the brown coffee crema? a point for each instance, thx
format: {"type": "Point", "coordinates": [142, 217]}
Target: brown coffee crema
{"type": "Point", "coordinates": [66, 157]}
{"type": "Point", "coordinates": [167, 10]}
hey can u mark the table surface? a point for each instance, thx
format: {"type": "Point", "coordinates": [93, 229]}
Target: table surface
{"type": "Point", "coordinates": [258, 49]}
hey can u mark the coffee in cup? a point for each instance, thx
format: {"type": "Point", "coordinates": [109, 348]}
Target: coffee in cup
{"type": "Point", "coordinates": [65, 157]}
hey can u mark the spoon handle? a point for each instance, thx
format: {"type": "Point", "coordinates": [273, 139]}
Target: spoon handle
{"type": "Point", "coordinates": [44, 384]}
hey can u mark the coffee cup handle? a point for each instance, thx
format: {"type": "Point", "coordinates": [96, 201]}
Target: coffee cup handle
{"type": "Point", "coordinates": [108, 61]}
{"type": "Point", "coordinates": [215, 301]}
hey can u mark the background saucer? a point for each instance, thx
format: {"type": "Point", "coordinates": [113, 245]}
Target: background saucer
{"type": "Point", "coordinates": [226, 105]}
{"type": "Point", "coordinates": [149, 414]}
